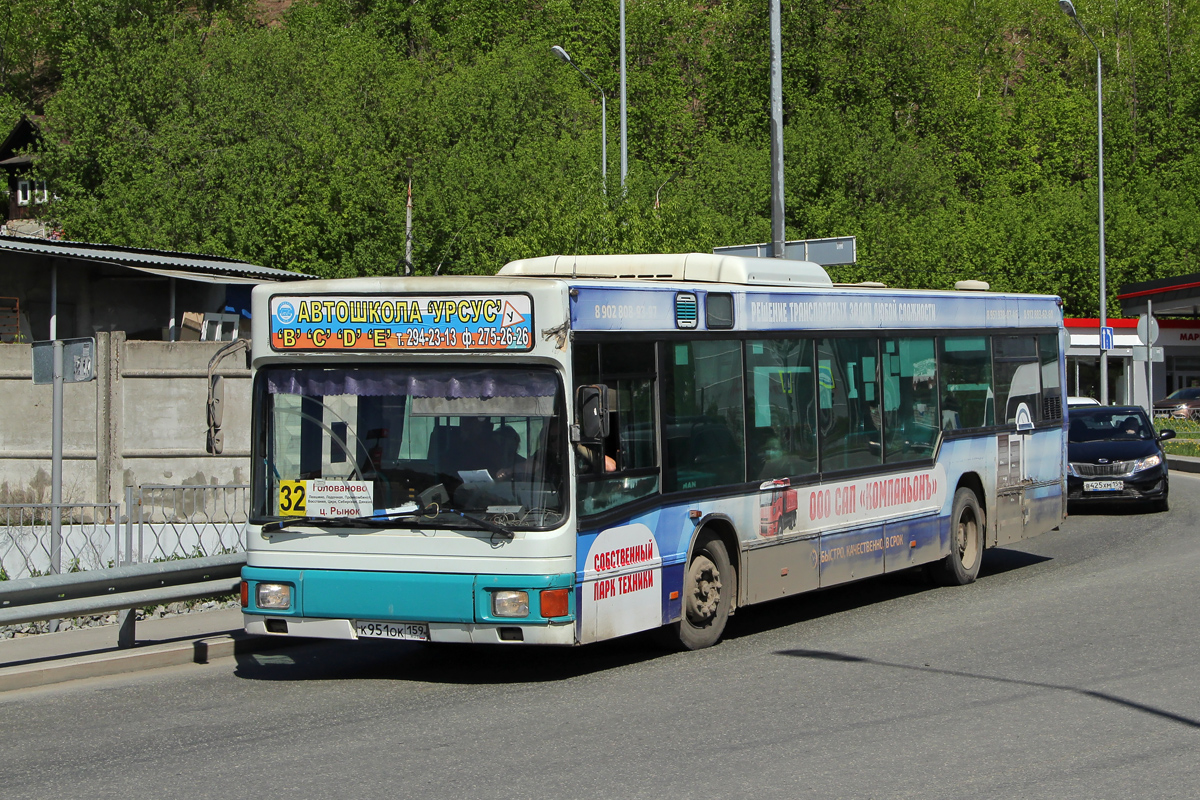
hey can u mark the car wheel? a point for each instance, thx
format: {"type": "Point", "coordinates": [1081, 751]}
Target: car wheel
{"type": "Point", "coordinates": [1162, 504]}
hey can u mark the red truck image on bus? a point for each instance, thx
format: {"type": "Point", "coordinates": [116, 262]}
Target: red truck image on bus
{"type": "Point", "coordinates": [778, 512]}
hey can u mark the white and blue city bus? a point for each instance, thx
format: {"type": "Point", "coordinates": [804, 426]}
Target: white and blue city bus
{"type": "Point", "coordinates": [580, 448]}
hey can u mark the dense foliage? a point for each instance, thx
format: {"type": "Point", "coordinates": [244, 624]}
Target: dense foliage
{"type": "Point", "coordinates": [953, 139]}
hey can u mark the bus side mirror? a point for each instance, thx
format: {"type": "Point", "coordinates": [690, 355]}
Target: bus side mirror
{"type": "Point", "coordinates": [592, 405]}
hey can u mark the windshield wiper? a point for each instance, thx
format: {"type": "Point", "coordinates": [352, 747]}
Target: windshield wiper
{"type": "Point", "coordinates": [486, 524]}
{"type": "Point", "coordinates": [333, 522]}
{"type": "Point", "coordinates": [381, 520]}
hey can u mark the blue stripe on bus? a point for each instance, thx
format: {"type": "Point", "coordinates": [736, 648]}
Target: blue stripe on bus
{"type": "Point", "coordinates": [609, 308]}
{"type": "Point", "coordinates": [672, 576]}
{"type": "Point", "coordinates": [407, 596]}
{"type": "Point", "coordinates": [850, 555]}
{"type": "Point", "coordinates": [910, 542]}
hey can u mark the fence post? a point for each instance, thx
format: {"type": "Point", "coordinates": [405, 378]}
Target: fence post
{"type": "Point", "coordinates": [127, 617]}
{"type": "Point", "coordinates": [128, 525]}
{"type": "Point", "coordinates": [126, 628]}
{"type": "Point", "coordinates": [141, 533]}
{"type": "Point", "coordinates": [56, 466]}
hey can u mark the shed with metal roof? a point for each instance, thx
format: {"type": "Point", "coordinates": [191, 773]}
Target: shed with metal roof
{"type": "Point", "coordinates": [56, 289]}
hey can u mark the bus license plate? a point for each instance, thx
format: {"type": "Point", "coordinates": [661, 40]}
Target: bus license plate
{"type": "Point", "coordinates": [1103, 486]}
{"type": "Point", "coordinates": [409, 631]}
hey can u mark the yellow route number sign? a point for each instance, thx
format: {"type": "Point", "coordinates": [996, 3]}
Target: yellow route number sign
{"type": "Point", "coordinates": [293, 499]}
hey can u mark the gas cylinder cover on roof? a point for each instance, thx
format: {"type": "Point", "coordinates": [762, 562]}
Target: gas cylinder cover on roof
{"type": "Point", "coordinates": [704, 267]}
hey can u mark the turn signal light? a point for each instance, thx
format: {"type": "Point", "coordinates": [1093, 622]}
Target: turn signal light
{"type": "Point", "coordinates": [554, 602]}
{"type": "Point", "coordinates": [245, 595]}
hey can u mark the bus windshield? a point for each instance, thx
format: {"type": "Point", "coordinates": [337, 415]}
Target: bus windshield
{"type": "Point", "coordinates": [368, 440]}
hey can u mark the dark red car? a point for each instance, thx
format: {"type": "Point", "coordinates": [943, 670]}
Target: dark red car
{"type": "Point", "coordinates": [1180, 404]}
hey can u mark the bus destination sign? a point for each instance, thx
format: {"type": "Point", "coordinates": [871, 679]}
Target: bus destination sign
{"type": "Point", "coordinates": [419, 323]}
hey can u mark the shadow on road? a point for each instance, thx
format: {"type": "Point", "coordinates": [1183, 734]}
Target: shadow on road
{"type": "Point", "coordinates": [804, 607]}
{"type": "Point", "coordinates": [318, 660]}
{"type": "Point", "coordinates": [813, 605]}
{"type": "Point", "coordinates": [442, 663]}
{"type": "Point", "coordinates": [824, 655]}
{"type": "Point", "coordinates": [1001, 560]}
{"type": "Point", "coordinates": [1112, 508]}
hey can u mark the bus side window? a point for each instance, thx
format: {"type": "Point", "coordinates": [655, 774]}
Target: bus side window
{"type": "Point", "coordinates": [1052, 403]}
{"type": "Point", "coordinates": [850, 415]}
{"type": "Point", "coordinates": [782, 410]}
{"type": "Point", "coordinates": [910, 392]}
{"type": "Point", "coordinates": [624, 465]}
{"type": "Point", "coordinates": [702, 404]}
{"type": "Point", "coordinates": [1017, 372]}
{"type": "Point", "coordinates": [964, 372]}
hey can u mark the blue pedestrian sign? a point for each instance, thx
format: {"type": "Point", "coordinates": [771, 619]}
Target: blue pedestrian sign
{"type": "Point", "coordinates": [1106, 338]}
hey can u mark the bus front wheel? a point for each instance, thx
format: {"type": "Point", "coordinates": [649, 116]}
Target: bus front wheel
{"type": "Point", "coordinates": [961, 566]}
{"type": "Point", "coordinates": [709, 587]}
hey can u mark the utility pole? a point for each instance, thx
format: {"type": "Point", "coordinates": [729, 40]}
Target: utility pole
{"type": "Point", "coordinates": [408, 267]}
{"type": "Point", "coordinates": [624, 146]}
{"type": "Point", "coordinates": [777, 226]}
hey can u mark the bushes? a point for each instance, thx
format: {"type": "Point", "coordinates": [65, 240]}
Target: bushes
{"type": "Point", "coordinates": [954, 140]}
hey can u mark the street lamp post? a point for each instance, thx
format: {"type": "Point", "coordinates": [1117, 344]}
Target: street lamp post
{"type": "Point", "coordinates": [624, 147]}
{"type": "Point", "coordinates": [1069, 9]}
{"type": "Point", "coordinates": [558, 51]}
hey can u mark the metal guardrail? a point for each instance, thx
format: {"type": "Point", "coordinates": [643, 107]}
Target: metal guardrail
{"type": "Point", "coordinates": [119, 589]}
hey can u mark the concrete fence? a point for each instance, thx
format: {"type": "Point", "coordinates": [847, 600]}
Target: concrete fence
{"type": "Point", "coordinates": [141, 422]}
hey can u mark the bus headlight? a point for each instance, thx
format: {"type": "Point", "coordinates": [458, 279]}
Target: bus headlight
{"type": "Point", "coordinates": [273, 595]}
{"type": "Point", "coordinates": [1147, 462]}
{"type": "Point", "coordinates": [510, 603]}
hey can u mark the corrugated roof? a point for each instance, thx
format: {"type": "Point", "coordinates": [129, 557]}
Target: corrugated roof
{"type": "Point", "coordinates": [201, 266]}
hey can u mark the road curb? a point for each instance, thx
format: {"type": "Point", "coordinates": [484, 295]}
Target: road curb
{"type": "Point", "coordinates": [1183, 463]}
{"type": "Point", "coordinates": [137, 659]}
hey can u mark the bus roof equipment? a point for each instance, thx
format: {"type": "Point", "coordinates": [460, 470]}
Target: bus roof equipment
{"type": "Point", "coordinates": [702, 267]}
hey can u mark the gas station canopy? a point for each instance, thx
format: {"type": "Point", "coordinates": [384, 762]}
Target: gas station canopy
{"type": "Point", "coordinates": [1170, 297]}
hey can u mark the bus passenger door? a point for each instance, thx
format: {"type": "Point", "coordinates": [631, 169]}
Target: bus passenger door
{"type": "Point", "coordinates": [1010, 487]}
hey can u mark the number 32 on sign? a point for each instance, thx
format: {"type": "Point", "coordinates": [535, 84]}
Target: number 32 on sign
{"type": "Point", "coordinates": [292, 499]}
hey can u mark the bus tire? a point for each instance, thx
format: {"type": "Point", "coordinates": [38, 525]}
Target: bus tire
{"type": "Point", "coordinates": [967, 525]}
{"type": "Point", "coordinates": [709, 586]}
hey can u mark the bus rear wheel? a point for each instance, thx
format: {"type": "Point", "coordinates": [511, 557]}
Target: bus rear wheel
{"type": "Point", "coordinates": [709, 586]}
{"type": "Point", "coordinates": [961, 566]}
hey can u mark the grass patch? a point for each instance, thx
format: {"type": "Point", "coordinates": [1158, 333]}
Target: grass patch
{"type": "Point", "coordinates": [1184, 429]}
{"type": "Point", "coordinates": [1187, 436]}
{"type": "Point", "coordinates": [1182, 447]}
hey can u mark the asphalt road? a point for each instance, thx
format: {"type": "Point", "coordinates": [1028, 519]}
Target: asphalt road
{"type": "Point", "coordinates": [1070, 669]}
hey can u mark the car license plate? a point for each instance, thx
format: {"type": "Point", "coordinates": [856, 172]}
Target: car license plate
{"type": "Point", "coordinates": [1103, 486]}
{"type": "Point", "coordinates": [377, 629]}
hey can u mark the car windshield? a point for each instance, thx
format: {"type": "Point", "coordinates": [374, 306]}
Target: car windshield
{"type": "Point", "coordinates": [1100, 424]}
{"type": "Point", "coordinates": [1189, 393]}
{"type": "Point", "coordinates": [363, 441]}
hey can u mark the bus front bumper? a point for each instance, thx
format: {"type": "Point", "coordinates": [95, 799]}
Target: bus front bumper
{"type": "Point", "coordinates": [460, 633]}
